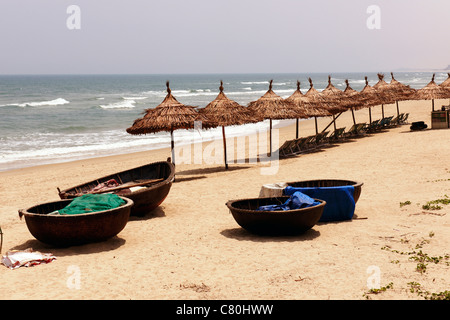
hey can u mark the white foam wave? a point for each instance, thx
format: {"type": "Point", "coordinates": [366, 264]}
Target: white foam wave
{"type": "Point", "coordinates": [127, 104]}
{"type": "Point", "coordinates": [254, 82]}
{"type": "Point", "coordinates": [134, 98]}
{"type": "Point", "coordinates": [55, 102]}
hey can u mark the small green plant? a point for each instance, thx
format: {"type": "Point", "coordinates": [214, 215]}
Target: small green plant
{"type": "Point", "coordinates": [377, 291]}
{"type": "Point", "coordinates": [402, 204]}
{"type": "Point", "coordinates": [435, 204]}
{"type": "Point", "coordinates": [415, 287]}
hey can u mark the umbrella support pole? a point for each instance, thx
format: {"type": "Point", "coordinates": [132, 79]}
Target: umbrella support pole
{"type": "Point", "coordinates": [315, 120]}
{"type": "Point", "coordinates": [296, 129]}
{"type": "Point", "coordinates": [370, 115]}
{"type": "Point", "coordinates": [432, 103]}
{"type": "Point", "coordinates": [334, 121]}
{"type": "Point", "coordinates": [172, 146]}
{"type": "Point", "coordinates": [270, 154]}
{"type": "Point", "coordinates": [382, 111]}
{"type": "Point", "coordinates": [398, 112]}
{"type": "Point", "coordinates": [353, 116]}
{"type": "Point", "coordinates": [224, 147]}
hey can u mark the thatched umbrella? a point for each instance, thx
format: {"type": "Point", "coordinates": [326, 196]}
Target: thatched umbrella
{"type": "Point", "coordinates": [316, 98]}
{"type": "Point", "coordinates": [432, 91]}
{"type": "Point", "coordinates": [369, 97]}
{"type": "Point", "coordinates": [272, 106]}
{"type": "Point", "coordinates": [446, 83]}
{"type": "Point", "coordinates": [336, 99]}
{"type": "Point", "coordinates": [353, 100]}
{"type": "Point", "coordinates": [304, 109]}
{"type": "Point", "coordinates": [170, 115]}
{"type": "Point", "coordinates": [385, 91]}
{"type": "Point", "coordinates": [401, 91]}
{"type": "Point", "coordinates": [226, 112]}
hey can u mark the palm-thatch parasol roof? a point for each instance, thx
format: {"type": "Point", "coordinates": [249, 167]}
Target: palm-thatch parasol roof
{"type": "Point", "coordinates": [432, 91]}
{"type": "Point", "coordinates": [336, 100]}
{"type": "Point", "coordinates": [401, 91]}
{"type": "Point", "coordinates": [353, 99]}
{"type": "Point", "coordinates": [170, 115]}
{"type": "Point", "coordinates": [370, 97]}
{"type": "Point", "coordinates": [315, 98]}
{"type": "Point", "coordinates": [272, 106]}
{"type": "Point", "coordinates": [304, 109]}
{"type": "Point", "coordinates": [226, 112]}
{"type": "Point", "coordinates": [386, 93]}
{"type": "Point", "coordinates": [446, 83]}
{"type": "Point", "coordinates": [305, 106]}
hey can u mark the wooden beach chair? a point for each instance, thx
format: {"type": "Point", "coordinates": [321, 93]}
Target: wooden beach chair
{"type": "Point", "coordinates": [321, 138]}
{"type": "Point", "coordinates": [393, 123]}
{"type": "Point", "coordinates": [305, 144]}
{"type": "Point", "coordinates": [286, 148]}
{"type": "Point", "coordinates": [360, 129]}
{"type": "Point", "coordinates": [336, 135]}
{"type": "Point", "coordinates": [372, 127]}
{"type": "Point", "coordinates": [352, 131]}
{"type": "Point", "coordinates": [404, 118]}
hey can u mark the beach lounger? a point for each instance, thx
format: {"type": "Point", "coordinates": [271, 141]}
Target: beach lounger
{"type": "Point", "coordinates": [352, 131]}
{"type": "Point", "coordinates": [404, 119]}
{"type": "Point", "coordinates": [337, 135]}
{"type": "Point", "coordinates": [321, 138]}
{"type": "Point", "coordinates": [393, 123]}
{"type": "Point", "coordinates": [361, 129]}
{"type": "Point", "coordinates": [298, 144]}
{"type": "Point", "coordinates": [306, 144]}
{"type": "Point", "coordinates": [372, 127]}
{"type": "Point", "coordinates": [286, 148]}
{"type": "Point", "coordinates": [385, 122]}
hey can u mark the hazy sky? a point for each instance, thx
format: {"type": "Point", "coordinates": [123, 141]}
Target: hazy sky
{"type": "Point", "coordinates": [226, 36]}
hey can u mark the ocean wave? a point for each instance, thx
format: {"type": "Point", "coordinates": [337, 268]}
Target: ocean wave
{"type": "Point", "coordinates": [127, 104]}
{"type": "Point", "coordinates": [55, 102]}
{"type": "Point", "coordinates": [254, 82]}
{"type": "Point", "coordinates": [134, 98]}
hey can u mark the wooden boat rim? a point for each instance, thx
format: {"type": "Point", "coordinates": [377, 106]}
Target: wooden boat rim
{"type": "Point", "coordinates": [354, 183]}
{"type": "Point", "coordinates": [230, 203]}
{"type": "Point", "coordinates": [169, 179]}
{"type": "Point", "coordinates": [25, 212]}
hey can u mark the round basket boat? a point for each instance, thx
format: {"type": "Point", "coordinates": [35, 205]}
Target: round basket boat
{"type": "Point", "coordinates": [288, 222]}
{"type": "Point", "coordinates": [325, 183]}
{"type": "Point", "coordinates": [76, 229]}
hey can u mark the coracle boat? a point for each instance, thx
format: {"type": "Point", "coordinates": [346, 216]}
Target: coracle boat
{"type": "Point", "coordinates": [77, 229]}
{"type": "Point", "coordinates": [327, 183]}
{"type": "Point", "coordinates": [289, 222]}
{"type": "Point", "coordinates": [148, 186]}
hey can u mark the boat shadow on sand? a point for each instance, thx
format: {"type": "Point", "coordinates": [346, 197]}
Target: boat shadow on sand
{"type": "Point", "coordinates": [244, 235]}
{"type": "Point", "coordinates": [90, 248]}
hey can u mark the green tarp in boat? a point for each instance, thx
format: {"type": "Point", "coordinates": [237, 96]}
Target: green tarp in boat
{"type": "Point", "coordinates": [92, 203]}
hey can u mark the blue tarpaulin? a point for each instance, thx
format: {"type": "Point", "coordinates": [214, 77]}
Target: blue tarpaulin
{"type": "Point", "coordinates": [297, 200]}
{"type": "Point", "coordinates": [340, 203]}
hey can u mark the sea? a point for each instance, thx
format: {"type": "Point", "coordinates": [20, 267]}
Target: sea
{"type": "Point", "coordinates": [57, 118]}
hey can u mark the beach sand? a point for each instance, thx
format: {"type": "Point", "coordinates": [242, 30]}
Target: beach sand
{"type": "Point", "coordinates": [192, 248]}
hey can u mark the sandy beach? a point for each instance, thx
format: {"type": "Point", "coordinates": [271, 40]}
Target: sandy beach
{"type": "Point", "coordinates": [192, 248]}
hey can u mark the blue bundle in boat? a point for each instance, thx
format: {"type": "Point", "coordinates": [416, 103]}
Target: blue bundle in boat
{"type": "Point", "coordinates": [340, 201]}
{"type": "Point", "coordinates": [297, 200]}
